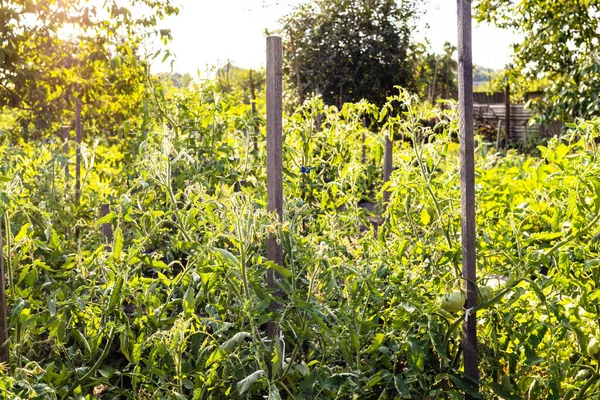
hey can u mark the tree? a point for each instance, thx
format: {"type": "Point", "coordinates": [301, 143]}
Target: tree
{"type": "Point", "coordinates": [348, 50]}
{"type": "Point", "coordinates": [244, 84]}
{"type": "Point", "coordinates": [560, 46]}
{"type": "Point", "coordinates": [56, 52]}
{"type": "Point", "coordinates": [435, 74]}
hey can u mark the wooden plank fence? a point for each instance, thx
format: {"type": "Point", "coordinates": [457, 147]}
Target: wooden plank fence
{"type": "Point", "coordinates": [520, 129]}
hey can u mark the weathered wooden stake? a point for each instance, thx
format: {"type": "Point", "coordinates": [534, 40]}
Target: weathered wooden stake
{"type": "Point", "coordinates": [319, 121]}
{"type": "Point", "coordinates": [507, 108]}
{"type": "Point", "coordinates": [65, 132]}
{"type": "Point", "coordinates": [434, 84]}
{"type": "Point", "coordinates": [296, 70]}
{"type": "Point", "coordinates": [3, 311]}
{"type": "Point", "coordinates": [274, 159]}
{"type": "Point", "coordinates": [364, 139]}
{"type": "Point", "coordinates": [387, 168]}
{"type": "Point", "coordinates": [107, 233]}
{"type": "Point", "coordinates": [256, 128]}
{"type": "Point", "coordinates": [252, 91]}
{"type": "Point", "coordinates": [467, 186]}
{"type": "Point", "coordinates": [78, 152]}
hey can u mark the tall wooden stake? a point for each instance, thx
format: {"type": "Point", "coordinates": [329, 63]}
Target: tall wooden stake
{"type": "Point", "coordinates": [252, 91]}
{"type": "Point", "coordinates": [274, 158]}
{"type": "Point", "coordinates": [65, 132]}
{"type": "Point", "coordinates": [319, 120]}
{"type": "Point", "coordinates": [256, 129]}
{"type": "Point", "coordinates": [387, 167]}
{"type": "Point", "coordinates": [507, 109]}
{"type": "Point", "coordinates": [364, 139]}
{"type": "Point", "coordinates": [296, 70]}
{"type": "Point", "coordinates": [467, 188]}
{"type": "Point", "coordinates": [78, 152]}
{"type": "Point", "coordinates": [107, 234]}
{"type": "Point", "coordinates": [3, 312]}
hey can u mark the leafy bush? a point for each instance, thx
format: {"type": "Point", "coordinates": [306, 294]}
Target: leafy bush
{"type": "Point", "coordinates": [176, 305]}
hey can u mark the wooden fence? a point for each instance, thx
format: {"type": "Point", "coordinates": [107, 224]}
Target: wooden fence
{"type": "Point", "coordinates": [493, 116]}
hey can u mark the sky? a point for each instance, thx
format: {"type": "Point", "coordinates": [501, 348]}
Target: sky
{"type": "Point", "coordinates": [210, 32]}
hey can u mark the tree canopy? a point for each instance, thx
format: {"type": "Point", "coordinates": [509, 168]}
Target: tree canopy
{"type": "Point", "coordinates": [435, 75]}
{"type": "Point", "coordinates": [53, 52]}
{"type": "Point", "coordinates": [560, 46]}
{"type": "Point", "coordinates": [348, 50]}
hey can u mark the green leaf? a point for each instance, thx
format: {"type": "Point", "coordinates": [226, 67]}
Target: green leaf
{"type": "Point", "coordinates": [401, 387]}
{"type": "Point", "coordinates": [115, 295]}
{"type": "Point", "coordinates": [82, 341]}
{"type": "Point", "coordinates": [234, 341]}
{"type": "Point", "coordinates": [54, 241]}
{"type": "Point", "coordinates": [284, 272]}
{"type": "Point", "coordinates": [108, 218]}
{"type": "Point", "coordinates": [274, 392]}
{"type": "Point", "coordinates": [424, 217]}
{"type": "Point", "coordinates": [277, 360]}
{"type": "Point", "coordinates": [214, 357]}
{"type": "Point", "coordinates": [544, 237]}
{"type": "Point", "coordinates": [244, 385]}
{"type": "Point", "coordinates": [22, 233]}
{"type": "Point", "coordinates": [502, 392]}
{"type": "Point", "coordinates": [377, 342]}
{"type": "Point", "coordinates": [230, 258]}
{"type": "Point", "coordinates": [189, 301]}
{"type": "Point", "coordinates": [591, 263]}
{"type": "Point", "coordinates": [118, 244]}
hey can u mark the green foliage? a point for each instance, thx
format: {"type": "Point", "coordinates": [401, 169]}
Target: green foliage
{"type": "Point", "coordinates": [349, 50]}
{"type": "Point", "coordinates": [436, 73]}
{"type": "Point", "coordinates": [175, 80]}
{"type": "Point", "coordinates": [54, 52]}
{"type": "Point", "coordinates": [487, 79]}
{"type": "Point", "coordinates": [243, 84]}
{"type": "Point", "coordinates": [176, 307]}
{"type": "Point", "coordinates": [560, 46]}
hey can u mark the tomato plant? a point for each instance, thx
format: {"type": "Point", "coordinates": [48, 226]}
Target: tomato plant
{"type": "Point", "coordinates": [177, 305]}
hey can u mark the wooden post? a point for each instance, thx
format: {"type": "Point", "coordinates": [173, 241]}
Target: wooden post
{"type": "Point", "coordinates": [296, 70]}
{"type": "Point", "coordinates": [252, 91]}
{"type": "Point", "coordinates": [507, 108]}
{"type": "Point", "coordinates": [364, 139]}
{"type": "Point", "coordinates": [434, 84]}
{"type": "Point", "coordinates": [387, 167]}
{"type": "Point", "coordinates": [107, 234]}
{"type": "Point", "coordinates": [467, 188]}
{"type": "Point", "coordinates": [3, 311]}
{"type": "Point", "coordinates": [256, 129]}
{"type": "Point", "coordinates": [319, 120]}
{"type": "Point", "coordinates": [65, 132]}
{"type": "Point", "coordinates": [274, 159]}
{"type": "Point", "coordinates": [78, 152]}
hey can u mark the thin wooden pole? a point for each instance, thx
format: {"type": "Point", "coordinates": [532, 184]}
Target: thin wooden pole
{"type": "Point", "coordinates": [387, 167]}
{"type": "Point", "coordinates": [319, 120]}
{"type": "Point", "coordinates": [507, 108]}
{"type": "Point", "coordinates": [3, 311]}
{"type": "Point", "coordinates": [78, 152]}
{"type": "Point", "coordinates": [434, 84]}
{"type": "Point", "coordinates": [274, 159]}
{"type": "Point", "coordinates": [252, 91]}
{"type": "Point", "coordinates": [107, 233]}
{"type": "Point", "coordinates": [296, 70]}
{"type": "Point", "coordinates": [467, 187]}
{"type": "Point", "coordinates": [65, 132]}
{"type": "Point", "coordinates": [364, 139]}
{"type": "Point", "coordinates": [256, 129]}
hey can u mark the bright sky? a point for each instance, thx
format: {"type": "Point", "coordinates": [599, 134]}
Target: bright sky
{"type": "Point", "coordinates": [210, 32]}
